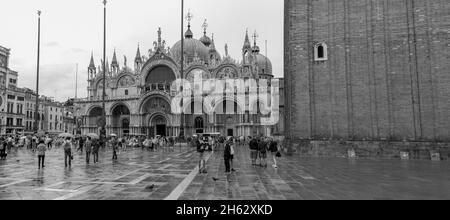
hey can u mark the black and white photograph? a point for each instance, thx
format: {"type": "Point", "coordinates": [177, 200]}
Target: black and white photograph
{"type": "Point", "coordinates": [225, 100]}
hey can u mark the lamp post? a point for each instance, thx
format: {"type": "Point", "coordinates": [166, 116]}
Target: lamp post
{"type": "Point", "coordinates": [36, 115]}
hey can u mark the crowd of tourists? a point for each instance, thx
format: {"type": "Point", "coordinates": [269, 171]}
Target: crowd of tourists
{"type": "Point", "coordinates": [259, 147]}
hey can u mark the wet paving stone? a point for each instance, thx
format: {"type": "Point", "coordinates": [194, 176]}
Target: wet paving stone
{"type": "Point", "coordinates": [144, 175]}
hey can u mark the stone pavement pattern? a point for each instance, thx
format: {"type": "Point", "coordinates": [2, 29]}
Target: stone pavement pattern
{"type": "Point", "coordinates": [174, 175]}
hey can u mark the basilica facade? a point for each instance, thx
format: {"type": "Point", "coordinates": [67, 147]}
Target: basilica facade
{"type": "Point", "coordinates": [138, 100]}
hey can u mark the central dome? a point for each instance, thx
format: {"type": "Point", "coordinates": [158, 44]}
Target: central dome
{"type": "Point", "coordinates": [192, 47]}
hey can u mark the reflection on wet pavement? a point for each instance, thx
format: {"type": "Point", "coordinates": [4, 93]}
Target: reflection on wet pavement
{"type": "Point", "coordinates": [145, 175]}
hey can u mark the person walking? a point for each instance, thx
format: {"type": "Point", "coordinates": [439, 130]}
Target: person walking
{"type": "Point", "coordinates": [201, 152]}
{"type": "Point", "coordinates": [41, 148]}
{"type": "Point", "coordinates": [115, 145]}
{"type": "Point", "coordinates": [88, 148]}
{"type": "Point", "coordinates": [68, 152]}
{"type": "Point", "coordinates": [253, 150]}
{"type": "Point", "coordinates": [273, 148]}
{"type": "Point", "coordinates": [95, 149]}
{"type": "Point", "coordinates": [232, 151]}
{"type": "Point", "coordinates": [262, 148]}
{"type": "Point", "coordinates": [3, 146]}
{"type": "Point", "coordinates": [81, 144]}
{"type": "Point", "coordinates": [47, 142]}
{"type": "Point", "coordinates": [227, 156]}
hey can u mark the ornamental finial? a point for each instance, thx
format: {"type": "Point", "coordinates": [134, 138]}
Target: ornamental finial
{"type": "Point", "coordinates": [255, 35]}
{"type": "Point", "coordinates": [189, 16]}
{"type": "Point", "coordinates": [205, 26]}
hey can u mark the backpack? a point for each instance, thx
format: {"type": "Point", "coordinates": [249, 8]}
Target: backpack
{"type": "Point", "coordinates": [262, 147]}
{"type": "Point", "coordinates": [67, 146]}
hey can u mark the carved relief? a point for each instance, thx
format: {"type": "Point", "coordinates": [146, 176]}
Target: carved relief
{"type": "Point", "coordinates": [227, 73]}
{"type": "Point", "coordinates": [126, 81]}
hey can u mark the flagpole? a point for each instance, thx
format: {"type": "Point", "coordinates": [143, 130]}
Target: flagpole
{"type": "Point", "coordinates": [36, 114]}
{"type": "Point", "coordinates": [76, 83]}
{"type": "Point", "coordinates": [182, 68]}
{"type": "Point", "coordinates": [103, 122]}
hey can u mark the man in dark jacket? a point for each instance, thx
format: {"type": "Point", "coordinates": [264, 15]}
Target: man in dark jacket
{"type": "Point", "coordinates": [262, 148]}
{"type": "Point", "coordinates": [227, 156]}
{"type": "Point", "coordinates": [253, 150]}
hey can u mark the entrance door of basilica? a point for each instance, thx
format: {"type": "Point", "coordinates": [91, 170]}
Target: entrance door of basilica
{"type": "Point", "coordinates": [161, 130]}
{"type": "Point", "coordinates": [159, 123]}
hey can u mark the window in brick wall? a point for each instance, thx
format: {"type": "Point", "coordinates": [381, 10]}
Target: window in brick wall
{"type": "Point", "coordinates": [320, 52]}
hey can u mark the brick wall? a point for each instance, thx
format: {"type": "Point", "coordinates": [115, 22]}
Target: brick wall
{"type": "Point", "coordinates": [387, 76]}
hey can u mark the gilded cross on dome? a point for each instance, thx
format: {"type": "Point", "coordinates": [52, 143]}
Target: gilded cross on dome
{"type": "Point", "coordinates": [255, 35]}
{"type": "Point", "coordinates": [189, 16]}
{"type": "Point", "coordinates": [205, 26]}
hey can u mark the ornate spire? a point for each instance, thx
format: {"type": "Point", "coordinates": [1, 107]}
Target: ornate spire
{"type": "Point", "coordinates": [226, 50]}
{"type": "Point", "coordinates": [189, 18]}
{"type": "Point", "coordinates": [247, 44]}
{"type": "Point", "coordinates": [114, 60]}
{"type": "Point", "coordinates": [107, 65]}
{"type": "Point", "coordinates": [92, 64]}
{"type": "Point", "coordinates": [159, 45]}
{"type": "Point", "coordinates": [138, 58]}
{"type": "Point", "coordinates": [213, 46]}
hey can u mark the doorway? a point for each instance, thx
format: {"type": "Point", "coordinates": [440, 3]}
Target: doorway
{"type": "Point", "coordinates": [159, 125]}
{"type": "Point", "coordinates": [161, 130]}
{"type": "Point", "coordinates": [230, 132]}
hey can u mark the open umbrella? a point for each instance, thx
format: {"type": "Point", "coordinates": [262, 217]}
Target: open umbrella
{"type": "Point", "coordinates": [113, 135]}
{"type": "Point", "coordinates": [66, 135]}
{"type": "Point", "coordinates": [93, 136]}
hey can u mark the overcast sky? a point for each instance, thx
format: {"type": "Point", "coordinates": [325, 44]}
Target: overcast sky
{"type": "Point", "coordinates": [71, 29]}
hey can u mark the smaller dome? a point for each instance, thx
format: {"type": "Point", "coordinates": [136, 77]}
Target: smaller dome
{"type": "Point", "coordinates": [255, 49]}
{"type": "Point", "coordinates": [264, 65]}
{"type": "Point", "coordinates": [206, 40]}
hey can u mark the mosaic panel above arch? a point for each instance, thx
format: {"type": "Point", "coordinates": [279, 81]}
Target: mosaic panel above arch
{"type": "Point", "coordinates": [227, 72]}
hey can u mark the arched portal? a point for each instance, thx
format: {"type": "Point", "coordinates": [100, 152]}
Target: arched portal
{"type": "Point", "coordinates": [154, 110]}
{"type": "Point", "coordinates": [159, 123]}
{"type": "Point", "coordinates": [94, 117]}
{"type": "Point", "coordinates": [121, 120]}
